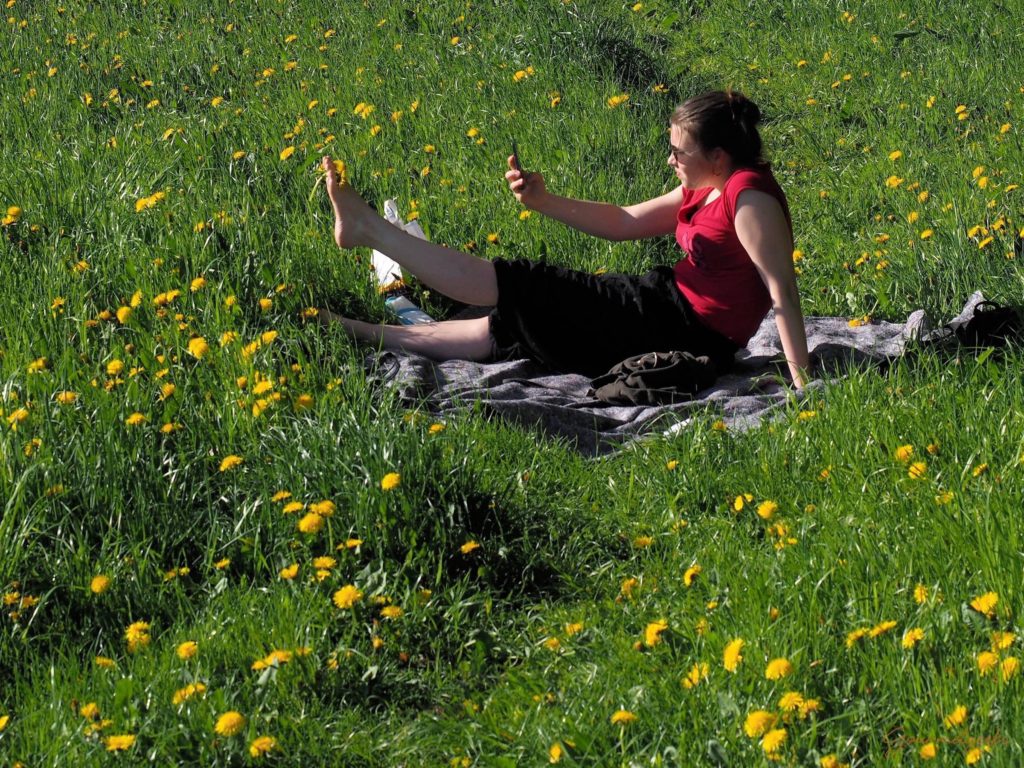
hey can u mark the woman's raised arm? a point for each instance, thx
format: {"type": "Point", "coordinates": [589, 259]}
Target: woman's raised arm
{"type": "Point", "coordinates": [651, 218]}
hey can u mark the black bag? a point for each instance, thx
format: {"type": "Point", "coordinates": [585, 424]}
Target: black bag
{"type": "Point", "coordinates": [991, 325]}
{"type": "Point", "coordinates": [655, 378]}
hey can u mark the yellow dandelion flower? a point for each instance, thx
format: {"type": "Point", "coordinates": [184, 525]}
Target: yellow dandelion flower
{"type": "Point", "coordinates": [698, 672]}
{"type": "Point", "coordinates": [853, 637]}
{"type": "Point", "coordinates": [881, 628]}
{"type": "Point", "coordinates": [230, 462]}
{"type": "Point", "coordinates": [615, 101]}
{"type": "Point", "coordinates": [653, 632]}
{"type": "Point", "coordinates": [137, 635]}
{"type": "Point", "coordinates": [229, 724]}
{"type": "Point", "coordinates": [1009, 667]}
{"type": "Point", "coordinates": [286, 152]}
{"type": "Point", "coordinates": [261, 745]}
{"type": "Point", "coordinates": [691, 573]}
{"type": "Point", "coordinates": [957, 717]}
{"type": "Point", "coordinates": [778, 669]}
{"type": "Point", "coordinates": [986, 604]}
{"type": "Point", "coordinates": [773, 740]}
{"type": "Point", "coordinates": [758, 722]}
{"type": "Point", "coordinates": [289, 572]}
{"type": "Point", "coordinates": [99, 584]}
{"type": "Point", "coordinates": [832, 761]}
{"type": "Point", "coordinates": [390, 481]}
{"type": "Point", "coordinates": [987, 661]}
{"type": "Point", "coordinates": [809, 706]}
{"type": "Point", "coordinates": [732, 655]}
{"type": "Point", "coordinates": [928, 751]}
{"type": "Point", "coordinates": [135, 419]}
{"type": "Point", "coordinates": [187, 650]}
{"type": "Point", "coordinates": [741, 501]}
{"type": "Point", "coordinates": [917, 470]}
{"type": "Point", "coordinates": [347, 596]}
{"type": "Point", "coordinates": [1002, 640]}
{"type": "Point", "coordinates": [555, 753]}
{"type": "Point", "coordinates": [767, 509]}
{"type": "Point", "coordinates": [392, 612]}
{"type": "Point", "coordinates": [468, 547]}
{"type": "Point", "coordinates": [903, 453]}
{"type": "Point", "coordinates": [104, 662]}
{"type": "Point", "coordinates": [791, 701]}
{"type": "Point", "coordinates": [912, 637]}
{"type": "Point", "coordinates": [119, 743]}
{"type": "Point", "coordinates": [197, 347]}
{"type": "Point", "coordinates": [311, 523]}
{"type": "Point", "coordinates": [623, 717]}
{"type": "Point", "coordinates": [627, 587]}
{"type": "Point", "coordinates": [325, 508]}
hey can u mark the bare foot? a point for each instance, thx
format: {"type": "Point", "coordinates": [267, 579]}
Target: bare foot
{"type": "Point", "coordinates": [352, 216]}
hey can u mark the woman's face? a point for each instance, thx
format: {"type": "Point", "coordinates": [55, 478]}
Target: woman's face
{"type": "Point", "coordinates": [693, 167]}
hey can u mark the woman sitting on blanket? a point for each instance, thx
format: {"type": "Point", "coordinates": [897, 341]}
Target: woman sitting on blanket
{"type": "Point", "coordinates": [729, 216]}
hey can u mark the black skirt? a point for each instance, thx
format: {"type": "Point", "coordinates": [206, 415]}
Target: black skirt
{"type": "Point", "coordinates": [576, 322]}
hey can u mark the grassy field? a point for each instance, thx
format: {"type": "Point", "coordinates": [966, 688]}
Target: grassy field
{"type": "Point", "coordinates": [221, 545]}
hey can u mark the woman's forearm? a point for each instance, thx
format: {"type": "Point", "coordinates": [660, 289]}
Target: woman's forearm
{"type": "Point", "coordinates": [604, 220]}
{"type": "Point", "coordinates": [790, 322]}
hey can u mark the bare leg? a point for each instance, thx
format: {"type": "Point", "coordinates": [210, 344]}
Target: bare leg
{"type": "Point", "coordinates": [458, 275]}
{"type": "Point", "coordinates": [448, 340]}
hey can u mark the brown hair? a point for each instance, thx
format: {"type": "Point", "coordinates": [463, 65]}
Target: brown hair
{"type": "Point", "coordinates": [725, 119]}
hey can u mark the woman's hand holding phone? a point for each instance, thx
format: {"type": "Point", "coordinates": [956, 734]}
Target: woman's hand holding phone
{"type": "Point", "coordinates": [527, 187]}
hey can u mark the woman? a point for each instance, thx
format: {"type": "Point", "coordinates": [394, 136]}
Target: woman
{"type": "Point", "coordinates": [729, 216]}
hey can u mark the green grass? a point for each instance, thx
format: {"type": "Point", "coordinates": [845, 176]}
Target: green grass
{"type": "Point", "coordinates": [535, 637]}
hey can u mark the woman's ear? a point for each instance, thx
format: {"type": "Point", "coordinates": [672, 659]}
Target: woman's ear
{"type": "Point", "coordinates": [722, 161]}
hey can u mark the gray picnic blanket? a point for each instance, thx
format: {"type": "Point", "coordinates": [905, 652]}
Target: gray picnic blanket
{"type": "Point", "coordinates": [562, 405]}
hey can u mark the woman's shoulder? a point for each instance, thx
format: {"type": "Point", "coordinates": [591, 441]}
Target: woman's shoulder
{"type": "Point", "coordinates": [758, 177]}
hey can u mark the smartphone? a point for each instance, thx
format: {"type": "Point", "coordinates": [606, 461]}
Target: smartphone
{"type": "Point", "coordinates": [515, 157]}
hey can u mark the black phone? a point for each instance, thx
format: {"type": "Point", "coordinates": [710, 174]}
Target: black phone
{"type": "Point", "coordinates": [515, 157]}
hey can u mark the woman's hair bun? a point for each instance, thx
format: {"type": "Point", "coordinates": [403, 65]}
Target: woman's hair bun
{"type": "Point", "coordinates": [744, 111]}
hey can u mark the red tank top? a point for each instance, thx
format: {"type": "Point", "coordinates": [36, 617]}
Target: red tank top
{"type": "Point", "coordinates": [717, 276]}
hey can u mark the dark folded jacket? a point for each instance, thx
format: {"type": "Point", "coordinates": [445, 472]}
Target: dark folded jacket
{"type": "Point", "coordinates": [655, 378]}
